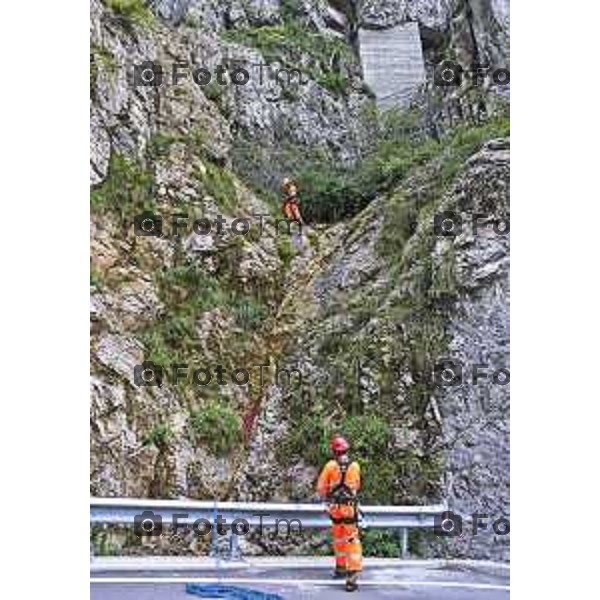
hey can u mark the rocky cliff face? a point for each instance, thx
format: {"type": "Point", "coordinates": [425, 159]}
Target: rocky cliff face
{"type": "Point", "coordinates": [471, 30]}
{"type": "Point", "coordinates": [303, 94]}
{"type": "Point", "coordinates": [362, 310]}
{"type": "Point", "coordinates": [476, 417]}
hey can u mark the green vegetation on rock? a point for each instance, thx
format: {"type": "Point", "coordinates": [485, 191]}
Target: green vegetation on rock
{"type": "Point", "coordinates": [101, 59]}
{"type": "Point", "coordinates": [404, 211]}
{"type": "Point", "coordinates": [331, 193]}
{"type": "Point", "coordinates": [382, 467]}
{"type": "Point", "coordinates": [160, 435]}
{"type": "Point", "coordinates": [249, 311]}
{"type": "Point", "coordinates": [189, 292]}
{"type": "Point", "coordinates": [105, 542]}
{"type": "Point", "coordinates": [324, 59]}
{"type": "Point", "coordinates": [382, 544]}
{"type": "Point", "coordinates": [127, 190]}
{"type": "Point", "coordinates": [160, 144]}
{"type": "Point", "coordinates": [136, 11]}
{"type": "Point", "coordinates": [286, 251]}
{"type": "Point", "coordinates": [95, 277]}
{"type": "Point", "coordinates": [216, 180]}
{"type": "Point", "coordinates": [219, 184]}
{"type": "Point", "coordinates": [216, 426]}
{"type": "Point", "coordinates": [129, 187]}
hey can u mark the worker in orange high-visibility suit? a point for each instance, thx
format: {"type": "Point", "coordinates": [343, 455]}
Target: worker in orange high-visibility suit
{"type": "Point", "coordinates": [291, 204]}
{"type": "Point", "coordinates": [338, 484]}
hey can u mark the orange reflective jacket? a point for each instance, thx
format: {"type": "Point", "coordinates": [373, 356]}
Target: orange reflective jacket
{"type": "Point", "coordinates": [331, 476]}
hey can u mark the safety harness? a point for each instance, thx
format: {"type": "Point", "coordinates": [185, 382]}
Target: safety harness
{"type": "Point", "coordinates": [343, 494]}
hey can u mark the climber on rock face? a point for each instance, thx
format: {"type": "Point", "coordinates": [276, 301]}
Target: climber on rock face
{"type": "Point", "coordinates": [291, 204]}
{"type": "Point", "coordinates": [338, 485]}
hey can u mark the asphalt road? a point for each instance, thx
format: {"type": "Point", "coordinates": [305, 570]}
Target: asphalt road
{"type": "Point", "coordinates": [165, 579]}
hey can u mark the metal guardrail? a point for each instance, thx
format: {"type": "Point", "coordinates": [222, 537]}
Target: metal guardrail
{"type": "Point", "coordinates": [123, 511]}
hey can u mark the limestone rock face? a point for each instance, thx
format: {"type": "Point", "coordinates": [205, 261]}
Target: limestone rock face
{"type": "Point", "coordinates": [434, 14]}
{"type": "Point", "coordinates": [215, 15]}
{"type": "Point", "coordinates": [476, 415]}
{"type": "Point", "coordinates": [221, 14]}
{"type": "Point", "coordinates": [476, 30]}
{"type": "Point", "coordinates": [280, 109]}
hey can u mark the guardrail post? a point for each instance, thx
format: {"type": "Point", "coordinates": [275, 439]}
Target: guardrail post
{"type": "Point", "coordinates": [404, 533]}
{"type": "Point", "coordinates": [214, 544]}
{"type": "Point", "coordinates": [234, 548]}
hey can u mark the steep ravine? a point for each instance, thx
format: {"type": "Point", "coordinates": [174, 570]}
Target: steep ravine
{"type": "Point", "coordinates": [397, 315]}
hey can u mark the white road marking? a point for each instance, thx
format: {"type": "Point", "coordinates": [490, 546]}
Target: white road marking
{"type": "Point", "coordinates": [102, 563]}
{"type": "Point", "coordinates": [298, 582]}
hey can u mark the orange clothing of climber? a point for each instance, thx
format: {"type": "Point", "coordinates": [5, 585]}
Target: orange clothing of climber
{"type": "Point", "coordinates": [291, 207]}
{"type": "Point", "coordinates": [291, 210]}
{"type": "Point", "coordinates": [346, 542]}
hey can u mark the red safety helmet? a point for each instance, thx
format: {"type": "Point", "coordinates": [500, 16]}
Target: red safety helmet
{"type": "Point", "coordinates": [339, 444]}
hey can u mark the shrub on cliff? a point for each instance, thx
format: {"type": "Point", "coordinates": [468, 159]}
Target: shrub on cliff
{"type": "Point", "coordinates": [216, 426]}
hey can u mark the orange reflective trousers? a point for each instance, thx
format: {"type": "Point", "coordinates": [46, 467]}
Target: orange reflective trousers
{"type": "Point", "coordinates": [346, 540]}
{"type": "Point", "coordinates": [291, 210]}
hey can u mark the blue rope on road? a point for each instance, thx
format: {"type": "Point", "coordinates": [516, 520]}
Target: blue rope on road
{"type": "Point", "coordinates": [230, 592]}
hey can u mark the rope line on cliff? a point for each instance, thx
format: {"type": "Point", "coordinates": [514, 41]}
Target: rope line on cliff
{"type": "Point", "coordinates": [272, 343]}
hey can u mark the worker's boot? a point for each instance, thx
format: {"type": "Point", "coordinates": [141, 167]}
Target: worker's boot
{"type": "Point", "coordinates": [352, 581]}
{"type": "Point", "coordinates": [339, 572]}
